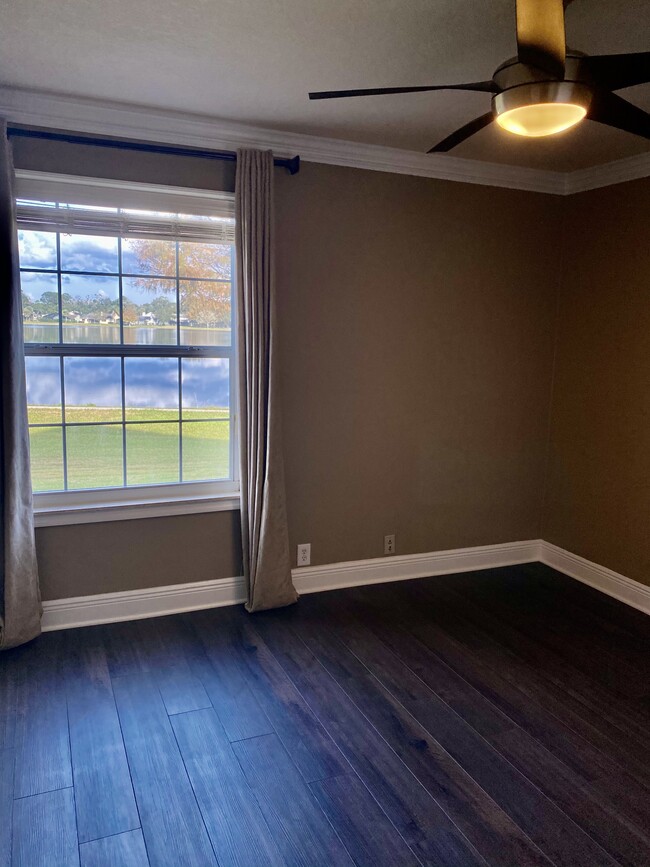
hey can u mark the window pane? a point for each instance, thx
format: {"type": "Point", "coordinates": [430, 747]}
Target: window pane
{"type": "Point", "coordinates": [40, 295]}
{"type": "Point", "coordinates": [91, 309]}
{"type": "Point", "coordinates": [46, 453]}
{"type": "Point", "coordinates": [206, 388]}
{"type": "Point", "coordinates": [205, 313]}
{"type": "Point", "coordinates": [152, 454]}
{"type": "Point", "coordinates": [89, 253]}
{"type": "Point", "coordinates": [151, 389]}
{"type": "Point", "coordinates": [204, 261]}
{"type": "Point", "coordinates": [43, 390]}
{"type": "Point", "coordinates": [37, 249]}
{"type": "Point", "coordinates": [149, 306]}
{"type": "Point", "coordinates": [149, 256]}
{"type": "Point", "coordinates": [93, 389]}
{"type": "Point", "coordinates": [95, 456]}
{"type": "Point", "coordinates": [206, 450]}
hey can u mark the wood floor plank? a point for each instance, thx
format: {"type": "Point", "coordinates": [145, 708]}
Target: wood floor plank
{"type": "Point", "coordinates": [483, 822]}
{"type": "Point", "coordinates": [537, 816]}
{"type": "Point", "coordinates": [42, 742]}
{"type": "Point", "coordinates": [238, 831]}
{"type": "Point", "coordinates": [426, 828]}
{"type": "Point", "coordinates": [6, 804]}
{"type": "Point", "coordinates": [518, 636]}
{"type": "Point", "coordinates": [104, 798]}
{"type": "Point", "coordinates": [288, 804]}
{"type": "Point", "coordinates": [310, 747]}
{"type": "Point", "coordinates": [617, 614]}
{"type": "Point", "coordinates": [157, 646]}
{"type": "Point", "coordinates": [44, 831]}
{"type": "Point", "coordinates": [121, 850]}
{"type": "Point", "coordinates": [222, 672]}
{"type": "Point", "coordinates": [511, 654]}
{"type": "Point", "coordinates": [8, 675]}
{"type": "Point", "coordinates": [172, 825]}
{"type": "Point", "coordinates": [167, 657]}
{"type": "Point", "coordinates": [590, 809]}
{"type": "Point", "coordinates": [574, 635]}
{"type": "Point", "coordinates": [558, 721]}
{"type": "Point", "coordinates": [366, 832]}
{"type": "Point", "coordinates": [493, 719]}
{"type": "Point", "coordinates": [604, 821]}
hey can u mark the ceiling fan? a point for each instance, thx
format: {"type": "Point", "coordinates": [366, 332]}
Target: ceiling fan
{"type": "Point", "coordinates": [545, 89]}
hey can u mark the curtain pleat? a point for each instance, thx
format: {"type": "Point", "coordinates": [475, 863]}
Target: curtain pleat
{"type": "Point", "coordinates": [20, 601]}
{"type": "Point", "coordinates": [265, 538]}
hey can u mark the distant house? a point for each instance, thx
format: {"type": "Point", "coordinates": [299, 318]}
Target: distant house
{"type": "Point", "coordinates": [72, 316]}
{"type": "Point", "coordinates": [113, 317]}
{"type": "Point", "coordinates": [147, 318]}
{"type": "Point", "coordinates": [93, 319]}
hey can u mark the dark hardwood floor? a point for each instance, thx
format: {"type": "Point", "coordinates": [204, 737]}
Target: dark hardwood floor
{"type": "Point", "coordinates": [492, 718]}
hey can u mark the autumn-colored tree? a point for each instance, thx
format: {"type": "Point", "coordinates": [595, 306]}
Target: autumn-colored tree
{"type": "Point", "coordinates": [130, 312]}
{"type": "Point", "coordinates": [201, 302]}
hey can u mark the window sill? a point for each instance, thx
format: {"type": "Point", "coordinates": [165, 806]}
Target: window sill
{"type": "Point", "coordinates": [59, 515]}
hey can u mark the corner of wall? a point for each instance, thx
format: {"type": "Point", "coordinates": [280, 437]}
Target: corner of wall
{"type": "Point", "coordinates": [559, 280]}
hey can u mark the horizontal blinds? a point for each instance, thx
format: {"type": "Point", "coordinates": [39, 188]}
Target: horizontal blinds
{"type": "Point", "coordinates": [103, 207]}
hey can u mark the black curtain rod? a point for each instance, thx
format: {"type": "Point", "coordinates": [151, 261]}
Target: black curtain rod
{"type": "Point", "coordinates": [291, 164]}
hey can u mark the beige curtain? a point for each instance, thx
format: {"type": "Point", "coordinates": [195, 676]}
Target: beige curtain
{"type": "Point", "coordinates": [20, 602]}
{"type": "Point", "coordinates": [265, 541]}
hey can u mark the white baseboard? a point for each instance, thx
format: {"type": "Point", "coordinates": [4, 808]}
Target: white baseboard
{"type": "Point", "coordinates": [139, 604]}
{"type": "Point", "coordinates": [606, 580]}
{"type": "Point", "coordinates": [314, 579]}
{"type": "Point", "coordinates": [173, 599]}
{"type": "Point", "coordinates": [157, 601]}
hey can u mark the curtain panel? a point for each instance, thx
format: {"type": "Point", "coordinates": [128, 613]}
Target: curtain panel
{"type": "Point", "coordinates": [265, 539]}
{"type": "Point", "coordinates": [20, 602]}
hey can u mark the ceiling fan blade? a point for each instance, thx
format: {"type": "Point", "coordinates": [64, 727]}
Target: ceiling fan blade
{"type": "Point", "coordinates": [612, 110]}
{"type": "Point", "coordinates": [615, 71]}
{"type": "Point", "coordinates": [480, 86]}
{"type": "Point", "coordinates": [541, 41]}
{"type": "Point", "coordinates": [463, 133]}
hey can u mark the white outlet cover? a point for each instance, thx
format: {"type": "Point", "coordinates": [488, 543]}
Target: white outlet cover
{"type": "Point", "coordinates": [304, 554]}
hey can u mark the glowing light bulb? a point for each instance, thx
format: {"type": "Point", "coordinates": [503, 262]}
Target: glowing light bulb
{"type": "Point", "coordinates": [541, 108]}
{"type": "Point", "coordinates": [545, 118]}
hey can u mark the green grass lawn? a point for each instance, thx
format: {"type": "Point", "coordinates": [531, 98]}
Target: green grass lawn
{"type": "Point", "coordinates": [152, 450]}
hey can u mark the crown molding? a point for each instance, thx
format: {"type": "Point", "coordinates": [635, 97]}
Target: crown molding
{"type": "Point", "coordinates": [607, 174]}
{"type": "Point", "coordinates": [56, 111]}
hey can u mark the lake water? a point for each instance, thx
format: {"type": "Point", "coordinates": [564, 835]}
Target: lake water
{"type": "Point", "coordinates": [133, 334]}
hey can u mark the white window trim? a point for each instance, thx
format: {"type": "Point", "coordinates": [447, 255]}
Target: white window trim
{"type": "Point", "coordinates": [126, 504]}
{"type": "Point", "coordinates": [60, 508]}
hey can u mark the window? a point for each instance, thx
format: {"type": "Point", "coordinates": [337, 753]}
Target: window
{"type": "Point", "coordinates": [130, 361]}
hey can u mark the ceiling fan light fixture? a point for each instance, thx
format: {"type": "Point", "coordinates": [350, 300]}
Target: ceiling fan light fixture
{"type": "Point", "coordinates": [542, 108]}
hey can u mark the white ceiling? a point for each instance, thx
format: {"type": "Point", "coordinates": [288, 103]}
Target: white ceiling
{"type": "Point", "coordinates": [254, 61]}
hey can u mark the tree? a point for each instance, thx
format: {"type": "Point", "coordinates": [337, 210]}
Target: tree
{"type": "Point", "coordinates": [49, 302]}
{"type": "Point", "coordinates": [163, 309]}
{"type": "Point", "coordinates": [201, 302]}
{"type": "Point", "coordinates": [130, 311]}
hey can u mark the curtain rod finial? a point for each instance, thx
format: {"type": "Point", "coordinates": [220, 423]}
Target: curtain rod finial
{"type": "Point", "coordinates": [293, 165]}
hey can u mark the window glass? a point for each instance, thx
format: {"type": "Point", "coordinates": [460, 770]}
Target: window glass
{"type": "Point", "coordinates": [128, 351]}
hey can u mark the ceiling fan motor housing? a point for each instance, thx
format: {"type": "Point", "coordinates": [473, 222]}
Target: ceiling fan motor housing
{"type": "Point", "coordinates": [532, 103]}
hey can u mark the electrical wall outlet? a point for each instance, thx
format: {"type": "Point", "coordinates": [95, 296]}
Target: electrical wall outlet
{"type": "Point", "coordinates": [304, 554]}
{"type": "Point", "coordinates": [389, 544]}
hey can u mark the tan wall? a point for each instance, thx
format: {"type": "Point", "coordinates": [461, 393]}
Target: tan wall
{"type": "Point", "coordinates": [416, 322]}
{"type": "Point", "coordinates": [598, 498]}
{"type": "Point", "coordinates": [82, 559]}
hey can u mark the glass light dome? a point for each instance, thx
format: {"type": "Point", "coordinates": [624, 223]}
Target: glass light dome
{"type": "Point", "coordinates": [541, 108]}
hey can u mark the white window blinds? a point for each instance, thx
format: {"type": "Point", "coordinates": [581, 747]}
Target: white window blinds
{"type": "Point", "coordinates": [91, 206]}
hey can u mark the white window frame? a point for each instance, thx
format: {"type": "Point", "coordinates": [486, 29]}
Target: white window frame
{"type": "Point", "coordinates": [143, 501]}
